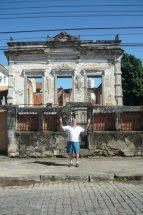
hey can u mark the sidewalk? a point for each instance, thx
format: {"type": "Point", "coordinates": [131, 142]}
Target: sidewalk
{"type": "Point", "coordinates": [90, 169]}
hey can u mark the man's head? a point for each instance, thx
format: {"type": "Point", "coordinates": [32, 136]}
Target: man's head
{"type": "Point", "coordinates": [73, 122]}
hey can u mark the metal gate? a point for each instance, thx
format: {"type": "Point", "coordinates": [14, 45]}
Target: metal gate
{"type": "Point", "coordinates": [3, 131]}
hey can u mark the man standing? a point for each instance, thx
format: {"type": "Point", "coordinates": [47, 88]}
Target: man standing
{"type": "Point", "coordinates": [73, 144]}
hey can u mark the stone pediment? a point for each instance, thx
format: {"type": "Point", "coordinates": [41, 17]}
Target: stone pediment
{"type": "Point", "coordinates": [63, 37]}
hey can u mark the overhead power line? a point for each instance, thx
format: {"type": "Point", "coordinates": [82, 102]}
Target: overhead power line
{"type": "Point", "coordinates": [29, 1]}
{"type": "Point", "coordinates": [23, 38]}
{"type": "Point", "coordinates": [71, 29]}
{"type": "Point", "coordinates": [81, 35]}
{"type": "Point", "coordinates": [128, 34]}
{"type": "Point", "coordinates": [66, 6]}
{"type": "Point", "coordinates": [70, 12]}
{"type": "Point", "coordinates": [5, 48]}
{"type": "Point", "coordinates": [60, 1]}
{"type": "Point", "coordinates": [73, 15]}
{"type": "Point", "coordinates": [94, 45]}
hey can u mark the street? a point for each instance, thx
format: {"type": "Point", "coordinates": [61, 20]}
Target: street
{"type": "Point", "coordinates": [63, 198]}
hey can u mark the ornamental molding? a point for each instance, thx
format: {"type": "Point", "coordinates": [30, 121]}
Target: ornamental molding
{"type": "Point", "coordinates": [94, 66]}
{"type": "Point", "coordinates": [79, 82]}
{"type": "Point", "coordinates": [62, 69]}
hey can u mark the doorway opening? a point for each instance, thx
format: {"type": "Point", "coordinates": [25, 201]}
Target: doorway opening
{"type": "Point", "coordinates": [64, 89]}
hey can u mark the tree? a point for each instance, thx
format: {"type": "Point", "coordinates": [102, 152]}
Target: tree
{"type": "Point", "coordinates": [132, 80]}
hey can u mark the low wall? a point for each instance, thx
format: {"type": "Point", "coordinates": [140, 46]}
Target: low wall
{"type": "Point", "coordinates": [113, 131]}
{"type": "Point", "coordinates": [40, 144]}
{"type": "Point", "coordinates": [46, 144]}
{"type": "Point", "coordinates": [116, 143]}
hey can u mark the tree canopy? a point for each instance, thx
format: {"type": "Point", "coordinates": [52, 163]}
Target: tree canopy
{"type": "Point", "coordinates": [132, 80]}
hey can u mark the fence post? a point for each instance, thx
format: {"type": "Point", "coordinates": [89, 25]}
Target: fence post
{"type": "Point", "coordinates": [92, 129]}
{"type": "Point", "coordinates": [118, 121]}
{"type": "Point", "coordinates": [40, 120]}
{"type": "Point", "coordinates": [13, 148]}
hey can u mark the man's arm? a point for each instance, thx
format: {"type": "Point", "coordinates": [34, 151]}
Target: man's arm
{"type": "Point", "coordinates": [61, 126]}
{"type": "Point", "coordinates": [61, 123]}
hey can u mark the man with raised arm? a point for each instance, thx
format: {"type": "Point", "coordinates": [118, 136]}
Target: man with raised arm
{"type": "Point", "coordinates": [73, 144]}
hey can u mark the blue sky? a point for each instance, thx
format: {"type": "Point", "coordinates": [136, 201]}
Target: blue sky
{"type": "Point", "coordinates": [66, 83]}
{"type": "Point", "coordinates": [72, 22]}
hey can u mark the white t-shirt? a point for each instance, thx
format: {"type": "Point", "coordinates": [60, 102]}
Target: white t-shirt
{"type": "Point", "coordinates": [73, 132]}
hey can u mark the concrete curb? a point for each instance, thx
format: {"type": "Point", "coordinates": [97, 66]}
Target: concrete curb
{"type": "Point", "coordinates": [24, 180]}
{"type": "Point", "coordinates": [64, 178]}
{"type": "Point", "coordinates": [20, 178]}
{"type": "Point", "coordinates": [101, 177]}
{"type": "Point", "coordinates": [130, 177]}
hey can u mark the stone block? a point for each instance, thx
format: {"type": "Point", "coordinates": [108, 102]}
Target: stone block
{"type": "Point", "coordinates": [116, 143]}
{"type": "Point", "coordinates": [101, 176]}
{"type": "Point", "coordinates": [38, 144]}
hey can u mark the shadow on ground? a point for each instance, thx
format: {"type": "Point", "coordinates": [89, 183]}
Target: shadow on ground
{"type": "Point", "coordinates": [47, 163]}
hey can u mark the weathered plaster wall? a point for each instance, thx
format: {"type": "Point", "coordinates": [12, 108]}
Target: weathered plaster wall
{"type": "Point", "coordinates": [44, 144]}
{"type": "Point", "coordinates": [40, 144]}
{"type": "Point", "coordinates": [80, 70]}
{"type": "Point", "coordinates": [109, 84]}
{"type": "Point", "coordinates": [116, 143]}
{"type": "Point", "coordinates": [62, 55]}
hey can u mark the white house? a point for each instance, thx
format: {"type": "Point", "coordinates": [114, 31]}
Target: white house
{"type": "Point", "coordinates": [3, 76]}
{"type": "Point", "coordinates": [3, 84]}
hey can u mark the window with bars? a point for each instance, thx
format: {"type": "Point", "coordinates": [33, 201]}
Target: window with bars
{"type": "Point", "coordinates": [104, 122]}
{"type": "Point", "coordinates": [50, 121]}
{"type": "Point", "coordinates": [80, 114]}
{"type": "Point", "coordinates": [27, 122]}
{"type": "Point", "coordinates": [131, 121]}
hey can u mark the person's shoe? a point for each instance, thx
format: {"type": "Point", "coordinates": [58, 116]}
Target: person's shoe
{"type": "Point", "coordinates": [77, 165]}
{"type": "Point", "coordinates": [70, 164]}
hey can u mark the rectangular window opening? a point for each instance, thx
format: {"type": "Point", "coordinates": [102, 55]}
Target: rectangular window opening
{"type": "Point", "coordinates": [94, 89]}
{"type": "Point", "coordinates": [35, 90]}
{"type": "Point", "coordinates": [64, 89]}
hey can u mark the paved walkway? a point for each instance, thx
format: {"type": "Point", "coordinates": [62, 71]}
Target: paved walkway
{"type": "Point", "coordinates": [57, 169]}
{"type": "Point", "coordinates": [100, 198]}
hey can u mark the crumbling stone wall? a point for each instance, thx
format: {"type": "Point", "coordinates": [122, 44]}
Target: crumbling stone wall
{"type": "Point", "coordinates": [41, 144]}
{"type": "Point", "coordinates": [50, 141]}
{"type": "Point", "coordinates": [116, 143]}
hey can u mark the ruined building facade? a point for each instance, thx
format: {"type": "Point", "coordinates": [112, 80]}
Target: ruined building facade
{"type": "Point", "coordinates": [36, 67]}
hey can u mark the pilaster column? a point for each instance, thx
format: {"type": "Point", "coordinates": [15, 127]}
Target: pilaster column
{"type": "Point", "coordinates": [118, 121]}
{"type": "Point", "coordinates": [13, 148]}
{"type": "Point", "coordinates": [10, 89]}
{"type": "Point", "coordinates": [118, 82]}
{"type": "Point", "coordinates": [103, 88]}
{"type": "Point", "coordinates": [55, 89]}
{"type": "Point", "coordinates": [85, 85]}
{"type": "Point", "coordinates": [40, 120]}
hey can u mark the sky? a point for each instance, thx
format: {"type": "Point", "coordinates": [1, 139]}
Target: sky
{"type": "Point", "coordinates": [47, 14]}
